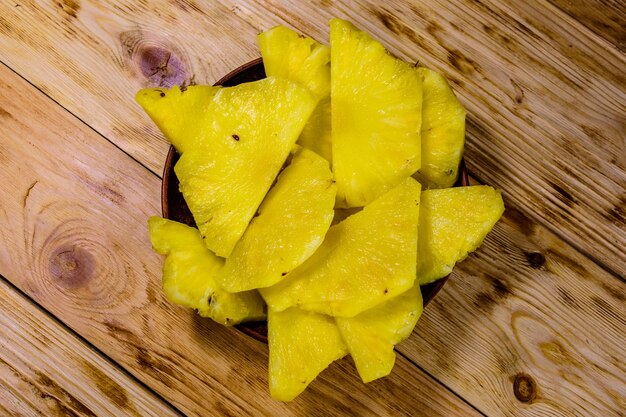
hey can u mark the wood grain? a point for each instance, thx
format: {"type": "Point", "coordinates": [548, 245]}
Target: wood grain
{"type": "Point", "coordinates": [79, 246]}
{"type": "Point", "coordinates": [546, 98]}
{"type": "Point", "coordinates": [46, 370]}
{"type": "Point", "coordinates": [606, 18]}
{"type": "Point", "coordinates": [96, 55]}
{"type": "Point", "coordinates": [527, 326]}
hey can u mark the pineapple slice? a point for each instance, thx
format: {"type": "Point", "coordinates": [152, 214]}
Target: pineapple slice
{"type": "Point", "coordinates": [372, 334]}
{"type": "Point", "coordinates": [376, 103]}
{"type": "Point", "coordinates": [302, 344]}
{"type": "Point", "coordinates": [306, 61]}
{"type": "Point", "coordinates": [298, 58]}
{"type": "Point", "coordinates": [188, 275]}
{"type": "Point", "coordinates": [365, 260]}
{"type": "Point", "coordinates": [236, 142]}
{"type": "Point", "coordinates": [443, 132]}
{"type": "Point", "coordinates": [291, 224]}
{"type": "Point", "coordinates": [453, 223]}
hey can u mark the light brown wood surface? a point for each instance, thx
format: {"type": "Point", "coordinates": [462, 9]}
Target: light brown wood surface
{"type": "Point", "coordinates": [606, 18]}
{"type": "Point", "coordinates": [79, 247]}
{"type": "Point", "coordinates": [45, 370]}
{"type": "Point", "coordinates": [532, 324]}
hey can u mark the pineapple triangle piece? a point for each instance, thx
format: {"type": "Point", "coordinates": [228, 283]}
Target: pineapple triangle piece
{"type": "Point", "coordinates": [443, 132]}
{"type": "Point", "coordinates": [302, 344]}
{"type": "Point", "coordinates": [453, 223]}
{"type": "Point", "coordinates": [188, 275]}
{"type": "Point", "coordinates": [301, 59]}
{"type": "Point", "coordinates": [365, 260]}
{"type": "Point", "coordinates": [376, 103]}
{"type": "Point", "coordinates": [233, 141]}
{"type": "Point", "coordinates": [291, 224]}
{"type": "Point", "coordinates": [372, 334]}
{"type": "Point", "coordinates": [298, 58]}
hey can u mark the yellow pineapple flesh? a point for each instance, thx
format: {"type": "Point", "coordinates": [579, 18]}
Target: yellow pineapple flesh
{"type": "Point", "coordinates": [453, 223]}
{"type": "Point", "coordinates": [298, 58]}
{"type": "Point", "coordinates": [376, 103]}
{"type": "Point", "coordinates": [291, 224]}
{"type": "Point", "coordinates": [372, 334]}
{"type": "Point", "coordinates": [316, 134]}
{"type": "Point", "coordinates": [365, 260]}
{"type": "Point", "coordinates": [306, 61]}
{"type": "Point", "coordinates": [302, 344]}
{"type": "Point", "coordinates": [181, 114]}
{"type": "Point", "coordinates": [241, 138]}
{"type": "Point", "coordinates": [443, 132]}
{"type": "Point", "coordinates": [188, 275]}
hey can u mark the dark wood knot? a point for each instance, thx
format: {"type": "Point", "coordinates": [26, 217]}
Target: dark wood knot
{"type": "Point", "coordinates": [72, 267]}
{"type": "Point", "coordinates": [535, 259]}
{"type": "Point", "coordinates": [159, 62]}
{"type": "Point", "coordinates": [524, 388]}
{"type": "Point", "coordinates": [161, 67]}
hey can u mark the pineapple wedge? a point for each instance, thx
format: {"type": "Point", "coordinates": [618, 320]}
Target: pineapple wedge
{"type": "Point", "coordinates": [376, 103]}
{"type": "Point", "coordinates": [453, 223]}
{"type": "Point", "coordinates": [298, 58]}
{"type": "Point", "coordinates": [291, 224]}
{"type": "Point", "coordinates": [302, 344]}
{"type": "Point", "coordinates": [233, 144]}
{"type": "Point", "coordinates": [306, 61]}
{"type": "Point", "coordinates": [188, 275]}
{"type": "Point", "coordinates": [372, 334]}
{"type": "Point", "coordinates": [365, 260]}
{"type": "Point", "coordinates": [443, 132]}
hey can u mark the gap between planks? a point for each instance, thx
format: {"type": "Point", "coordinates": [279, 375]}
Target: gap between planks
{"type": "Point", "coordinates": [439, 381]}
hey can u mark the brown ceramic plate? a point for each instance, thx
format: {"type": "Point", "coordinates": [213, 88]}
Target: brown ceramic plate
{"type": "Point", "coordinates": [174, 207]}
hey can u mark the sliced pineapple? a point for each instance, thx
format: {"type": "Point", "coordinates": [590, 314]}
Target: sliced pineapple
{"type": "Point", "coordinates": [306, 61]}
{"type": "Point", "coordinates": [188, 275]}
{"type": "Point", "coordinates": [298, 58]}
{"type": "Point", "coordinates": [365, 260]}
{"type": "Point", "coordinates": [302, 344]}
{"type": "Point", "coordinates": [236, 142]}
{"type": "Point", "coordinates": [453, 223]}
{"type": "Point", "coordinates": [443, 132]}
{"type": "Point", "coordinates": [372, 334]}
{"type": "Point", "coordinates": [376, 103]}
{"type": "Point", "coordinates": [291, 224]}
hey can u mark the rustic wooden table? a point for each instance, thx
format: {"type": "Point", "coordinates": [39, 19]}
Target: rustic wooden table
{"type": "Point", "coordinates": [534, 323]}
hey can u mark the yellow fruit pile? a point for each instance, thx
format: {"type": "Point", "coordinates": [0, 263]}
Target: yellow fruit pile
{"type": "Point", "coordinates": [255, 171]}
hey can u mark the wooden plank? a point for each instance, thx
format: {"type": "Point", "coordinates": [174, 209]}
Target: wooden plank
{"type": "Point", "coordinates": [545, 96]}
{"type": "Point", "coordinates": [78, 245]}
{"type": "Point", "coordinates": [48, 371]}
{"type": "Point", "coordinates": [606, 18]}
